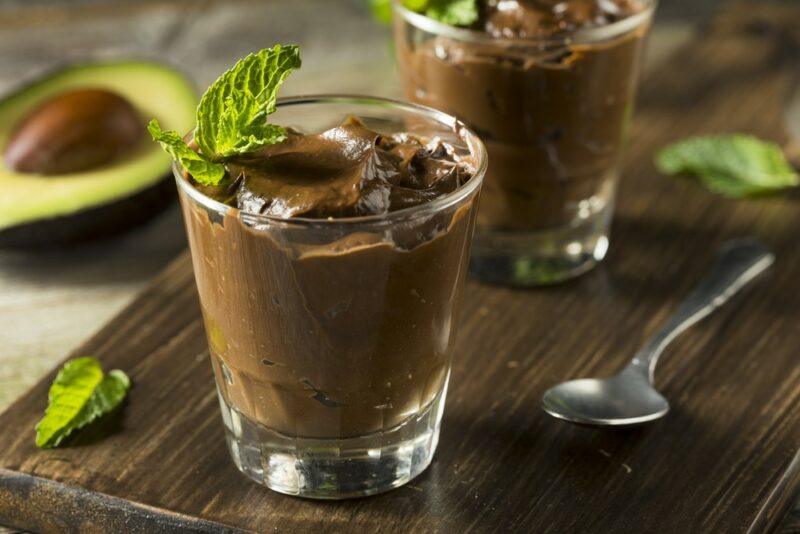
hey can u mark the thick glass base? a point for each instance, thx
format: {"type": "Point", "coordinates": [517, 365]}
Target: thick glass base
{"type": "Point", "coordinates": [541, 257]}
{"type": "Point", "coordinates": [334, 468]}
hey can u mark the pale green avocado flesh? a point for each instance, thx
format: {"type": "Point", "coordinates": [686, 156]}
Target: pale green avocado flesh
{"type": "Point", "coordinates": [155, 90]}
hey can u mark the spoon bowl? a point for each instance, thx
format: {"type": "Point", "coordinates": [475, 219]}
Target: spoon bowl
{"type": "Point", "coordinates": [626, 399]}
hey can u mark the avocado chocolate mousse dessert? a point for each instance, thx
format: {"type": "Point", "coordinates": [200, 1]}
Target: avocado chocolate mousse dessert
{"type": "Point", "coordinates": [549, 86]}
{"type": "Point", "coordinates": [330, 239]}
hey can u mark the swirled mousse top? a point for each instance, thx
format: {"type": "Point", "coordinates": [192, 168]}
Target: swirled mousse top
{"type": "Point", "coordinates": [347, 171]}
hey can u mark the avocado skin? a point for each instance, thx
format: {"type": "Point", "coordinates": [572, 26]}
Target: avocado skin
{"type": "Point", "coordinates": [93, 223]}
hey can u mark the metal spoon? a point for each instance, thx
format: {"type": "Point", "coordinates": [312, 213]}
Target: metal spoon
{"type": "Point", "coordinates": [629, 398]}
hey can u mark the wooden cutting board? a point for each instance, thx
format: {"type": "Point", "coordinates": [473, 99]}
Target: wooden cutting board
{"type": "Point", "coordinates": [724, 460]}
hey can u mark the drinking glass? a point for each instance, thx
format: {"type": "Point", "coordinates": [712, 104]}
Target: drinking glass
{"type": "Point", "coordinates": [331, 339]}
{"type": "Point", "coordinates": [553, 113]}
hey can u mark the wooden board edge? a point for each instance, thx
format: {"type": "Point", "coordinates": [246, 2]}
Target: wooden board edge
{"type": "Point", "coordinates": [80, 510]}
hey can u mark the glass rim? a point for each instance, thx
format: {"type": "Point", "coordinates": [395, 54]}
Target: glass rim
{"type": "Point", "coordinates": [581, 36]}
{"type": "Point", "coordinates": [474, 144]}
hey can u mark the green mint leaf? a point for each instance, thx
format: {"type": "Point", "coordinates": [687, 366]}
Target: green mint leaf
{"type": "Point", "coordinates": [107, 396]}
{"type": "Point", "coordinates": [80, 394]}
{"type": "Point", "coordinates": [232, 115]}
{"type": "Point", "coordinates": [452, 12]}
{"type": "Point", "coordinates": [69, 393]}
{"type": "Point", "coordinates": [202, 170]}
{"type": "Point", "coordinates": [735, 166]}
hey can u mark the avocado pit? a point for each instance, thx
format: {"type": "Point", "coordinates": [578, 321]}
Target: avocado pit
{"type": "Point", "coordinates": [75, 131]}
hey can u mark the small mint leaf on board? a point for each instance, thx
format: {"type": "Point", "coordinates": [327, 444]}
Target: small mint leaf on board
{"type": "Point", "coordinates": [232, 115]}
{"type": "Point", "coordinates": [80, 394]}
{"type": "Point", "coordinates": [734, 166]}
{"type": "Point", "coordinates": [203, 171]}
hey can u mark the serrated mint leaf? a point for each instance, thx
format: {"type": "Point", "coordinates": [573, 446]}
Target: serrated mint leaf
{"type": "Point", "coordinates": [69, 393]}
{"type": "Point", "coordinates": [202, 170]}
{"type": "Point", "coordinates": [735, 166]}
{"type": "Point", "coordinates": [452, 12]}
{"type": "Point", "coordinates": [108, 394]}
{"type": "Point", "coordinates": [232, 115]}
{"type": "Point", "coordinates": [79, 395]}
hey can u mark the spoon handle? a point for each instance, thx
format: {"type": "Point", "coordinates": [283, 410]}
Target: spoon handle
{"type": "Point", "coordinates": [739, 262]}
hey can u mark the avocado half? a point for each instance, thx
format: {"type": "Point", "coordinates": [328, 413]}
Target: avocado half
{"type": "Point", "coordinates": [37, 210]}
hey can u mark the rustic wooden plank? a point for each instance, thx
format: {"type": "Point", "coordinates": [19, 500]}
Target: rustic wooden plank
{"type": "Point", "coordinates": [94, 512]}
{"type": "Point", "coordinates": [720, 462]}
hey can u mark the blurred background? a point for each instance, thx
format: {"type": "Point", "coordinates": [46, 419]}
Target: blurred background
{"type": "Point", "coordinates": [51, 300]}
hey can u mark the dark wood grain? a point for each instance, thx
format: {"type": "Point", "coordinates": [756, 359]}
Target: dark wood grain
{"type": "Point", "coordinates": [724, 460]}
{"type": "Point", "coordinates": [791, 523]}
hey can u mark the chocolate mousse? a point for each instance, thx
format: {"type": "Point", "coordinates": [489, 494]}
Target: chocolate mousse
{"type": "Point", "coordinates": [551, 103]}
{"type": "Point", "coordinates": [326, 331]}
{"type": "Point", "coordinates": [347, 171]}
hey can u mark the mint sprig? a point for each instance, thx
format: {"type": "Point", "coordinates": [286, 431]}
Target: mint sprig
{"type": "Point", "coordinates": [80, 394]}
{"type": "Point", "coordinates": [734, 166]}
{"type": "Point", "coordinates": [232, 114]}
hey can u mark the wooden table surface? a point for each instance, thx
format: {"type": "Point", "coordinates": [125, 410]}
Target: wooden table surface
{"type": "Point", "coordinates": [49, 302]}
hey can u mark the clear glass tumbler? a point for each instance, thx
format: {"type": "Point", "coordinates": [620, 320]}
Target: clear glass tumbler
{"type": "Point", "coordinates": [331, 340]}
{"type": "Point", "coordinates": [553, 113]}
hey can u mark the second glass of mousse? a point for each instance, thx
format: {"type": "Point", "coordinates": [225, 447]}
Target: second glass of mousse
{"type": "Point", "coordinates": [330, 268]}
{"type": "Point", "coordinates": [549, 86]}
